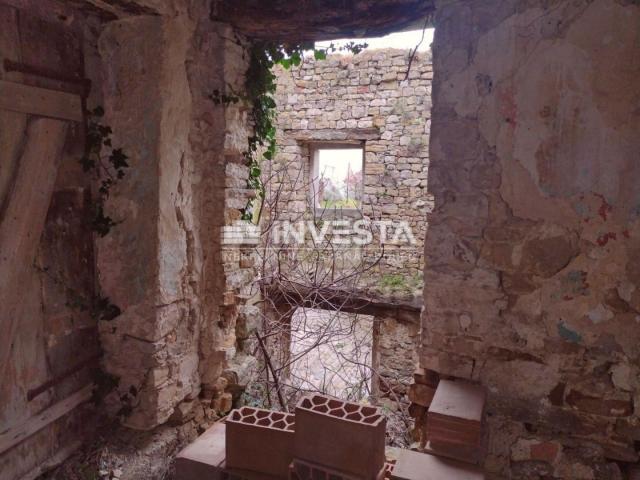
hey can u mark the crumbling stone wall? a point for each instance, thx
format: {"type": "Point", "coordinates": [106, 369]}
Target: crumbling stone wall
{"type": "Point", "coordinates": [396, 353]}
{"type": "Point", "coordinates": [164, 266]}
{"type": "Point", "coordinates": [531, 285]}
{"type": "Point", "coordinates": [368, 98]}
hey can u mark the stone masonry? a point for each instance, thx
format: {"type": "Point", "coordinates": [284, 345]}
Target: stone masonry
{"type": "Point", "coordinates": [362, 98]}
{"type": "Point", "coordinates": [532, 278]}
{"type": "Point", "coordinates": [366, 99]}
{"type": "Point", "coordinates": [163, 265]}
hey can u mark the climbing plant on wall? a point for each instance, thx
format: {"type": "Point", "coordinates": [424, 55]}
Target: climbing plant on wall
{"type": "Point", "coordinates": [259, 90]}
{"type": "Point", "coordinates": [106, 163]}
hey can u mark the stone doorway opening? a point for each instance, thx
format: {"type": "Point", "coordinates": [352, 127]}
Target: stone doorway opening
{"type": "Point", "coordinates": [332, 352]}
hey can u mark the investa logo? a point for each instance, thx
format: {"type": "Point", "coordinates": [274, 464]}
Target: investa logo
{"type": "Point", "coordinates": [340, 232]}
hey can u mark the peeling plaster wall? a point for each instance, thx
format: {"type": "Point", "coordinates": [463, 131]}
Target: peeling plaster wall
{"type": "Point", "coordinates": [163, 265]}
{"type": "Point", "coordinates": [532, 277]}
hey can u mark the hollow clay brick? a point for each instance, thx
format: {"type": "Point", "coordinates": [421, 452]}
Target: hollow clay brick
{"type": "Point", "coordinates": [303, 470]}
{"type": "Point", "coordinates": [341, 435]}
{"type": "Point", "coordinates": [260, 440]}
{"type": "Point", "coordinates": [422, 466]}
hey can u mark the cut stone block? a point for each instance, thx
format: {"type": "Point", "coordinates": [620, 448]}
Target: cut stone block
{"type": "Point", "coordinates": [202, 458]}
{"type": "Point", "coordinates": [260, 440]}
{"type": "Point", "coordinates": [455, 414]}
{"type": "Point", "coordinates": [422, 466]}
{"type": "Point", "coordinates": [341, 435]}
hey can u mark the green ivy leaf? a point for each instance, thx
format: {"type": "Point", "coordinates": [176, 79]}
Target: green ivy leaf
{"type": "Point", "coordinates": [320, 54]}
{"type": "Point", "coordinates": [286, 63]}
{"type": "Point", "coordinates": [118, 158]}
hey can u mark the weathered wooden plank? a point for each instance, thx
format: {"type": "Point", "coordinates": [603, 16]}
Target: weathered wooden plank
{"type": "Point", "coordinates": [12, 124]}
{"type": "Point", "coordinates": [58, 458]}
{"type": "Point", "coordinates": [19, 433]}
{"type": "Point", "coordinates": [17, 97]}
{"type": "Point", "coordinates": [22, 218]}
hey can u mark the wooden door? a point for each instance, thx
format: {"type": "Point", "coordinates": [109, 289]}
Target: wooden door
{"type": "Point", "coordinates": [47, 344]}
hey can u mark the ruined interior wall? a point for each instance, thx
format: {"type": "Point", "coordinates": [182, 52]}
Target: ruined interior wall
{"type": "Point", "coordinates": [361, 97]}
{"type": "Point", "coordinates": [396, 353]}
{"type": "Point", "coordinates": [531, 284]}
{"type": "Point", "coordinates": [163, 266]}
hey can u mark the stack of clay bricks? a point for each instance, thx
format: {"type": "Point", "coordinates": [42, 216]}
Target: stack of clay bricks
{"type": "Point", "coordinates": [454, 421]}
{"type": "Point", "coordinates": [326, 438]}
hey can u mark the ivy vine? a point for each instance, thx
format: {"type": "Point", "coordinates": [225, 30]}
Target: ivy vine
{"type": "Point", "coordinates": [259, 92]}
{"type": "Point", "coordinates": [106, 163]}
{"type": "Point", "coordinates": [96, 306]}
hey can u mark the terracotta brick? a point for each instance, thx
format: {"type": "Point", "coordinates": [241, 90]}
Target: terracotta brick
{"type": "Point", "coordinates": [229, 298]}
{"type": "Point", "coordinates": [599, 406]}
{"type": "Point", "coordinates": [260, 440]}
{"type": "Point", "coordinates": [545, 451]}
{"type": "Point", "coordinates": [344, 436]}
{"type": "Point", "coordinates": [462, 453]}
{"type": "Point", "coordinates": [424, 376]}
{"type": "Point", "coordinates": [456, 413]}
{"type": "Point", "coordinates": [421, 394]}
{"type": "Point", "coordinates": [422, 466]}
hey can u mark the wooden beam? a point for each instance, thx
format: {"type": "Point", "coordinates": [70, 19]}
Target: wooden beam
{"type": "Point", "coordinates": [343, 300]}
{"type": "Point", "coordinates": [18, 434]}
{"type": "Point", "coordinates": [43, 102]}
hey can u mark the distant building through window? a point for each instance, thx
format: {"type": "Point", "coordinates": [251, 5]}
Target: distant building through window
{"type": "Point", "coordinates": [338, 175]}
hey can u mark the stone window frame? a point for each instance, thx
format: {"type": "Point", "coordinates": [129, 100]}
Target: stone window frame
{"type": "Point", "coordinates": [314, 148]}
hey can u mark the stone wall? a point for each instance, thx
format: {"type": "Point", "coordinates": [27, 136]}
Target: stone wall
{"type": "Point", "coordinates": [360, 98]}
{"type": "Point", "coordinates": [164, 265]}
{"type": "Point", "coordinates": [532, 251]}
{"type": "Point", "coordinates": [396, 353]}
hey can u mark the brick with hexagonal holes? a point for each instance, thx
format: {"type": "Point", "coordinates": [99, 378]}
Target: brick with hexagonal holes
{"type": "Point", "coordinates": [260, 440]}
{"type": "Point", "coordinates": [341, 435]}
